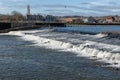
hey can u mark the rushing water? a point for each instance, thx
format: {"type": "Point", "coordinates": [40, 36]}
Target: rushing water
{"type": "Point", "coordinates": [29, 55]}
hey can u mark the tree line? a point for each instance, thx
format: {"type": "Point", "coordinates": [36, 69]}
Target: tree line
{"type": "Point", "coordinates": [14, 16]}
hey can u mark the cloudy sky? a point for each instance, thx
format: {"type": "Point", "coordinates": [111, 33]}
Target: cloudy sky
{"type": "Point", "coordinates": [63, 7]}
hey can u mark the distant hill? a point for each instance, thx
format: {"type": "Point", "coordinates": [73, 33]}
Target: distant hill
{"type": "Point", "coordinates": [72, 16]}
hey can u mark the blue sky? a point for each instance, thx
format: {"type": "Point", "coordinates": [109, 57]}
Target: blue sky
{"type": "Point", "coordinates": [63, 7]}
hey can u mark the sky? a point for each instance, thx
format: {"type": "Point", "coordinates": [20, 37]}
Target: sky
{"type": "Point", "coordinates": [62, 7]}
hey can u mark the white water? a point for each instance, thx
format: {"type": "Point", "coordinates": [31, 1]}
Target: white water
{"type": "Point", "coordinates": [82, 45]}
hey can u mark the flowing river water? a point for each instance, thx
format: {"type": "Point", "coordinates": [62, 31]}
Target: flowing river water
{"type": "Point", "coordinates": [49, 55]}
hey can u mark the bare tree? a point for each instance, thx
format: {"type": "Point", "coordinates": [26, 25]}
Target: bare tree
{"type": "Point", "coordinates": [17, 16]}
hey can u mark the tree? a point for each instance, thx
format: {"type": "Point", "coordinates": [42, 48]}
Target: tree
{"type": "Point", "coordinates": [5, 17]}
{"type": "Point", "coordinates": [17, 16]}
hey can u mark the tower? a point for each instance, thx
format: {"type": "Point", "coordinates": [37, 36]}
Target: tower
{"type": "Point", "coordinates": [28, 16]}
{"type": "Point", "coordinates": [28, 10]}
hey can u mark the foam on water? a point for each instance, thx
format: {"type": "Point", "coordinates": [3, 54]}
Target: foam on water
{"type": "Point", "coordinates": [83, 49]}
{"type": "Point", "coordinates": [17, 33]}
{"type": "Point", "coordinates": [100, 35]}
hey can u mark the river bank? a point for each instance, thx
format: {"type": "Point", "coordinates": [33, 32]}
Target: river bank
{"type": "Point", "coordinates": [87, 24]}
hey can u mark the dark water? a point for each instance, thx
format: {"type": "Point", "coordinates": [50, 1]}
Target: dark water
{"type": "Point", "coordinates": [20, 61]}
{"type": "Point", "coordinates": [89, 29]}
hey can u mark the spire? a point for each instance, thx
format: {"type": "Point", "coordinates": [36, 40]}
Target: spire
{"type": "Point", "coordinates": [28, 9]}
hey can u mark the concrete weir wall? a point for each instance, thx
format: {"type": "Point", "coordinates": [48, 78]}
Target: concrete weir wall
{"type": "Point", "coordinates": [54, 24]}
{"type": "Point", "coordinates": [5, 25]}
{"type": "Point", "coordinates": [25, 25]}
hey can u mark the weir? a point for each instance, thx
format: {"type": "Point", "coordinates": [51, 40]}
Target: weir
{"type": "Point", "coordinates": [89, 49]}
{"type": "Point", "coordinates": [5, 25]}
{"type": "Point", "coordinates": [21, 25]}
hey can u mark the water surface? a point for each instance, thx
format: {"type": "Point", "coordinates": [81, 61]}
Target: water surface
{"type": "Point", "coordinates": [89, 28]}
{"type": "Point", "coordinates": [21, 61]}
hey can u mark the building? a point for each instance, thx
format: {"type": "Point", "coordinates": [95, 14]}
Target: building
{"type": "Point", "coordinates": [50, 18]}
{"type": "Point", "coordinates": [112, 19]}
{"type": "Point", "coordinates": [79, 20]}
{"type": "Point", "coordinates": [85, 19]}
{"type": "Point", "coordinates": [38, 17]}
{"type": "Point", "coordinates": [68, 20]}
{"type": "Point", "coordinates": [109, 19]}
{"type": "Point", "coordinates": [28, 12]}
{"type": "Point", "coordinates": [35, 17]}
{"type": "Point", "coordinates": [28, 9]}
{"type": "Point", "coordinates": [100, 21]}
{"type": "Point", "coordinates": [91, 19]}
{"type": "Point", "coordinates": [31, 17]}
{"type": "Point", "coordinates": [116, 18]}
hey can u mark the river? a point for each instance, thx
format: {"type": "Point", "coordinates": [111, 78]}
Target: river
{"type": "Point", "coordinates": [48, 55]}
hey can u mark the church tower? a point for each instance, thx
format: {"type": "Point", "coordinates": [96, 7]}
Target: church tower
{"type": "Point", "coordinates": [28, 10]}
{"type": "Point", "coordinates": [28, 15]}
